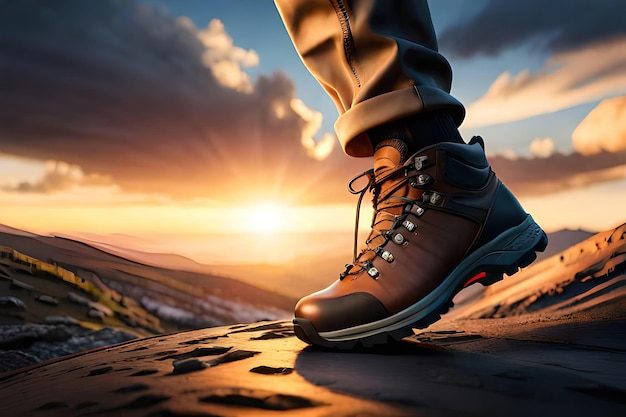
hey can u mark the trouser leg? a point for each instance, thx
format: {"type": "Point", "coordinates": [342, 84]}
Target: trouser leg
{"type": "Point", "coordinates": [377, 59]}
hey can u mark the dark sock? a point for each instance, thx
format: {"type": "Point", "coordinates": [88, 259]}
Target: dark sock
{"type": "Point", "coordinates": [416, 132]}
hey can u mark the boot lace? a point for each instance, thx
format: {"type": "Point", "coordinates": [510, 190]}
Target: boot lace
{"type": "Point", "coordinates": [382, 201]}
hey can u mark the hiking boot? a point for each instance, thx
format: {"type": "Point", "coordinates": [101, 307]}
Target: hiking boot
{"type": "Point", "coordinates": [442, 221]}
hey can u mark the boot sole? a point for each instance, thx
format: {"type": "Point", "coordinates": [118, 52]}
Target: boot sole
{"type": "Point", "coordinates": [506, 254]}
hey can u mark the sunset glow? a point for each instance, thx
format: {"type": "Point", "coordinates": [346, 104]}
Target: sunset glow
{"type": "Point", "coordinates": [266, 218]}
{"type": "Point", "coordinates": [233, 137]}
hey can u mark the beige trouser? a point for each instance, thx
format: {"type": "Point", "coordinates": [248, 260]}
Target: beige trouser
{"type": "Point", "coordinates": [377, 59]}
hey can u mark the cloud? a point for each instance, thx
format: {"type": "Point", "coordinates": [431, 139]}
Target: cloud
{"type": "Point", "coordinates": [600, 144]}
{"type": "Point", "coordinates": [318, 150]}
{"type": "Point", "coordinates": [542, 147]}
{"type": "Point", "coordinates": [554, 26]}
{"type": "Point", "coordinates": [60, 176]}
{"type": "Point", "coordinates": [604, 128]}
{"type": "Point", "coordinates": [558, 172]}
{"type": "Point", "coordinates": [223, 57]}
{"type": "Point", "coordinates": [586, 45]}
{"type": "Point", "coordinates": [128, 92]}
{"type": "Point", "coordinates": [568, 79]}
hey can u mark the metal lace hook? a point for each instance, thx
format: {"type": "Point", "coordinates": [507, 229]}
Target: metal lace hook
{"type": "Point", "coordinates": [370, 174]}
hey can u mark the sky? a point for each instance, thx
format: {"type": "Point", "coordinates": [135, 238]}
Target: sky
{"type": "Point", "coordinates": [193, 117]}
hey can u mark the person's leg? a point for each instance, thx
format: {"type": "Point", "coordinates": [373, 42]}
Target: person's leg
{"type": "Point", "coordinates": [442, 220]}
{"type": "Point", "coordinates": [378, 61]}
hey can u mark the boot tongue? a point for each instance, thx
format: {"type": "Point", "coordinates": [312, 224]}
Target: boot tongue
{"type": "Point", "coordinates": [389, 154]}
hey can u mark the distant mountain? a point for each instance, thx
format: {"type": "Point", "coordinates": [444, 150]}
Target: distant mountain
{"type": "Point", "coordinates": [587, 278]}
{"type": "Point", "coordinates": [12, 230]}
{"type": "Point", "coordinates": [164, 260]}
{"type": "Point", "coordinates": [301, 276]}
{"type": "Point", "coordinates": [179, 298]}
{"type": "Point", "coordinates": [561, 240]}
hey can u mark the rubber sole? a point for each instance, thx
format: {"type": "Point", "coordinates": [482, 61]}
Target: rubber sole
{"type": "Point", "coordinates": [506, 254]}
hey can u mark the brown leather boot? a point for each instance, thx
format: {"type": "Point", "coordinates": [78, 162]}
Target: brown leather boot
{"type": "Point", "coordinates": [442, 221]}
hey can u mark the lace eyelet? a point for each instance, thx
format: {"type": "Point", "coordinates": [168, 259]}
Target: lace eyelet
{"type": "Point", "coordinates": [398, 239]}
{"type": "Point", "coordinates": [424, 179]}
{"type": "Point", "coordinates": [415, 209]}
{"type": "Point", "coordinates": [420, 162]}
{"type": "Point", "coordinates": [373, 272]}
{"type": "Point", "coordinates": [433, 198]}
{"type": "Point", "coordinates": [385, 254]}
{"type": "Point", "coordinates": [410, 226]}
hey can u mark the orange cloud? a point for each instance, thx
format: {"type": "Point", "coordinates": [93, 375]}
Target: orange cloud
{"type": "Point", "coordinates": [542, 147]}
{"type": "Point", "coordinates": [316, 149]}
{"type": "Point", "coordinates": [604, 128]}
{"type": "Point", "coordinates": [540, 176]}
{"type": "Point", "coordinates": [568, 79]}
{"type": "Point", "coordinates": [60, 176]}
{"type": "Point", "coordinates": [222, 56]}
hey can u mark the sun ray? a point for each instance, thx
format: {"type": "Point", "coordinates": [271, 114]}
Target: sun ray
{"type": "Point", "coordinates": [266, 218]}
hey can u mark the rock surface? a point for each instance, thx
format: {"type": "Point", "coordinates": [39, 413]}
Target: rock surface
{"type": "Point", "coordinates": [549, 341]}
{"type": "Point", "coordinates": [493, 368]}
{"type": "Point", "coordinates": [28, 344]}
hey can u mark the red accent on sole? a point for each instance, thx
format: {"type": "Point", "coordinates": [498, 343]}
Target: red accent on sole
{"type": "Point", "coordinates": [475, 278]}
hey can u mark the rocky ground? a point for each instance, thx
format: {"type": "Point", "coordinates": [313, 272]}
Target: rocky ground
{"type": "Point", "coordinates": [550, 340]}
{"type": "Point", "coordinates": [28, 344]}
{"type": "Point", "coordinates": [262, 369]}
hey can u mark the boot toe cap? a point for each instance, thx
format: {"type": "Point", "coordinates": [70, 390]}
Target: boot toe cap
{"type": "Point", "coordinates": [329, 314]}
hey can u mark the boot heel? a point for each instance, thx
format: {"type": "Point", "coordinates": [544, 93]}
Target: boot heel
{"type": "Point", "coordinates": [532, 235]}
{"type": "Point", "coordinates": [517, 253]}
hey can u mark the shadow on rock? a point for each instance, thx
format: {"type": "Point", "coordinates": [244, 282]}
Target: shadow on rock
{"type": "Point", "coordinates": [442, 382]}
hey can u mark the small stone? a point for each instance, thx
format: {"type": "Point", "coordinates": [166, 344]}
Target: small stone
{"type": "Point", "coordinates": [106, 311]}
{"type": "Point", "coordinates": [12, 302]}
{"type": "Point", "coordinates": [95, 314]}
{"type": "Point", "coordinates": [188, 365]}
{"type": "Point", "coordinates": [77, 299]}
{"type": "Point", "coordinates": [269, 335]}
{"type": "Point", "coordinates": [47, 299]}
{"type": "Point", "coordinates": [19, 285]}
{"type": "Point", "coordinates": [268, 370]}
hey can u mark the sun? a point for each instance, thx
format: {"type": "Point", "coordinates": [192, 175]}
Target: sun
{"type": "Point", "coordinates": [266, 218]}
